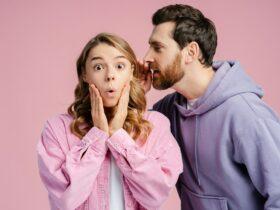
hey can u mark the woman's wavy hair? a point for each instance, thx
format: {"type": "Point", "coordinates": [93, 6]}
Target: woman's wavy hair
{"type": "Point", "coordinates": [80, 109]}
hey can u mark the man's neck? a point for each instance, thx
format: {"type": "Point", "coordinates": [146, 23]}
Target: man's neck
{"type": "Point", "coordinates": [195, 82]}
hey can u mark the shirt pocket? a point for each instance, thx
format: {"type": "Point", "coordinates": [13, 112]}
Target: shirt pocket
{"type": "Point", "coordinates": [191, 200]}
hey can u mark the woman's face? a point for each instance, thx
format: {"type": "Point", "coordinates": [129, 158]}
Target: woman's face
{"type": "Point", "coordinates": [109, 70]}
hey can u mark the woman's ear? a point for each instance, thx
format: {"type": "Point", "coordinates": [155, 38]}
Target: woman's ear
{"type": "Point", "coordinates": [132, 67]}
{"type": "Point", "coordinates": [84, 77]}
{"type": "Point", "coordinates": [132, 71]}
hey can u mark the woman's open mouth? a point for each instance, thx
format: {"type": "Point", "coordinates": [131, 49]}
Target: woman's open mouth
{"type": "Point", "coordinates": [111, 93]}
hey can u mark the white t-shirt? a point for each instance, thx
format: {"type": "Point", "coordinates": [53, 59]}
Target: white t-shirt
{"type": "Point", "coordinates": [116, 189]}
{"type": "Point", "coordinates": [191, 103]}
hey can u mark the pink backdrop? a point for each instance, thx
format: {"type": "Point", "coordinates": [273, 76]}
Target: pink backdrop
{"type": "Point", "coordinates": [40, 41]}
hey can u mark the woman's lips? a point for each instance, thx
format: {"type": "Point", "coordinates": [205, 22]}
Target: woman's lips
{"type": "Point", "coordinates": [111, 93]}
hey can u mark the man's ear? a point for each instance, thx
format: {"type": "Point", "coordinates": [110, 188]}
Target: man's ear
{"type": "Point", "coordinates": [191, 52]}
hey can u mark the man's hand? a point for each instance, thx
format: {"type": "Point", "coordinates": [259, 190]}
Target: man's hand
{"type": "Point", "coordinates": [145, 75]}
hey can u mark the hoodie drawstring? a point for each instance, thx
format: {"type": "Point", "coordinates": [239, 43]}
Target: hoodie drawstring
{"type": "Point", "coordinates": [196, 149]}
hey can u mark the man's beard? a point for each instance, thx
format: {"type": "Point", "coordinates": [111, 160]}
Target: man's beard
{"type": "Point", "coordinates": [167, 77]}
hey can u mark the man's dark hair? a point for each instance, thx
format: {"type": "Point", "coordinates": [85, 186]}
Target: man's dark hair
{"type": "Point", "coordinates": [191, 25]}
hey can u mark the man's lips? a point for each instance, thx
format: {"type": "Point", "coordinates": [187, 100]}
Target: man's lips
{"type": "Point", "coordinates": [156, 73]}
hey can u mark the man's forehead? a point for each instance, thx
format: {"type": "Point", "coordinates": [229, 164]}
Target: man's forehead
{"type": "Point", "coordinates": [162, 32]}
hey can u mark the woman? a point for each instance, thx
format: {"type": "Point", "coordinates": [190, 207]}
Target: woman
{"type": "Point", "coordinates": [107, 152]}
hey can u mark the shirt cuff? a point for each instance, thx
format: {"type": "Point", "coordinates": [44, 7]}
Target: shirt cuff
{"type": "Point", "coordinates": [95, 138]}
{"type": "Point", "coordinates": [121, 141]}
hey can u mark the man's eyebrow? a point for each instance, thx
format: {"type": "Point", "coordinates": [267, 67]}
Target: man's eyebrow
{"type": "Point", "coordinates": [155, 43]}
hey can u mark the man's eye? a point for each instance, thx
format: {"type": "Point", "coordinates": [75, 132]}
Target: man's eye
{"type": "Point", "coordinates": [157, 49]}
{"type": "Point", "coordinates": [120, 66]}
{"type": "Point", "coordinates": [98, 67]}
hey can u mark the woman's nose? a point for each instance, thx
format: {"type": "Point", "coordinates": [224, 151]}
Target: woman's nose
{"type": "Point", "coordinates": [110, 77]}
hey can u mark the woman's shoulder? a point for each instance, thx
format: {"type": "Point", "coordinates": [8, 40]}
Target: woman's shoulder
{"type": "Point", "coordinates": [58, 120]}
{"type": "Point", "coordinates": [57, 129]}
{"type": "Point", "coordinates": [158, 137]}
{"type": "Point", "coordinates": [58, 124]}
{"type": "Point", "coordinates": [156, 118]}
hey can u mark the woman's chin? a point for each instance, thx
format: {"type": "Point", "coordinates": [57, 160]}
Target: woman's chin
{"type": "Point", "coordinates": [110, 104]}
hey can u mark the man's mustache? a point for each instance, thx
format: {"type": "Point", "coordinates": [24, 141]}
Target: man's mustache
{"type": "Point", "coordinates": [156, 71]}
{"type": "Point", "coordinates": [154, 68]}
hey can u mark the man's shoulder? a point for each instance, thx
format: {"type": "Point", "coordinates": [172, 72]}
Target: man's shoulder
{"type": "Point", "coordinates": [249, 106]}
{"type": "Point", "coordinates": [165, 103]}
{"type": "Point", "coordinates": [246, 112]}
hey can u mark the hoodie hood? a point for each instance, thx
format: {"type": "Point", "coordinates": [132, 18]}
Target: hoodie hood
{"type": "Point", "coordinates": [229, 80]}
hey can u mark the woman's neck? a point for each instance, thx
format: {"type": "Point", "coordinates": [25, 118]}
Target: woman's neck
{"type": "Point", "coordinates": [109, 112]}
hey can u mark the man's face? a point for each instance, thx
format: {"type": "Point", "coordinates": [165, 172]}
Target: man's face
{"type": "Point", "coordinates": [164, 57]}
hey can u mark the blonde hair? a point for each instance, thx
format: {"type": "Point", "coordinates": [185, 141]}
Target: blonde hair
{"type": "Point", "coordinates": [80, 109]}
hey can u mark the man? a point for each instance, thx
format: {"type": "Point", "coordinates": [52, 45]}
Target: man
{"type": "Point", "coordinates": [229, 138]}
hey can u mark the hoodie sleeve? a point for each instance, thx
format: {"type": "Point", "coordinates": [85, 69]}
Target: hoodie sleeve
{"type": "Point", "coordinates": [259, 150]}
{"type": "Point", "coordinates": [150, 177]}
{"type": "Point", "coordinates": [69, 177]}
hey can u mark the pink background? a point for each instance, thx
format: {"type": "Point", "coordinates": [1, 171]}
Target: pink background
{"type": "Point", "coordinates": [39, 45]}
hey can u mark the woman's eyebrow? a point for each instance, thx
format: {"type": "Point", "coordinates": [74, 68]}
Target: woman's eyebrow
{"type": "Point", "coordinates": [120, 56]}
{"type": "Point", "coordinates": [96, 58]}
{"type": "Point", "coordinates": [100, 58]}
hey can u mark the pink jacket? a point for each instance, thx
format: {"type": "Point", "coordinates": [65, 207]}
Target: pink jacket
{"type": "Point", "coordinates": [76, 172]}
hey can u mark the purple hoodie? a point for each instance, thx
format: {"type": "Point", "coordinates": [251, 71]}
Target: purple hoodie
{"type": "Point", "coordinates": [230, 143]}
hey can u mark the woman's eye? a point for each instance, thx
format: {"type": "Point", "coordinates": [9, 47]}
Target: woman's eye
{"type": "Point", "coordinates": [120, 66]}
{"type": "Point", "coordinates": [98, 67]}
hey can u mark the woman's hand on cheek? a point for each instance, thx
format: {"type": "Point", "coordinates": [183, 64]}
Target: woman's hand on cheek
{"type": "Point", "coordinates": [97, 110]}
{"type": "Point", "coordinates": [121, 112]}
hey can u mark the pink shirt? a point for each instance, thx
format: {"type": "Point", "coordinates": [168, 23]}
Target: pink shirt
{"type": "Point", "coordinates": [76, 172]}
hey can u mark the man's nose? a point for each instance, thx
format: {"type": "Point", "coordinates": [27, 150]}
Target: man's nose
{"type": "Point", "coordinates": [148, 57]}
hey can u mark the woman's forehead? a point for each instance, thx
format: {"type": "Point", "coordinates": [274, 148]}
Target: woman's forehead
{"type": "Point", "coordinates": [105, 52]}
